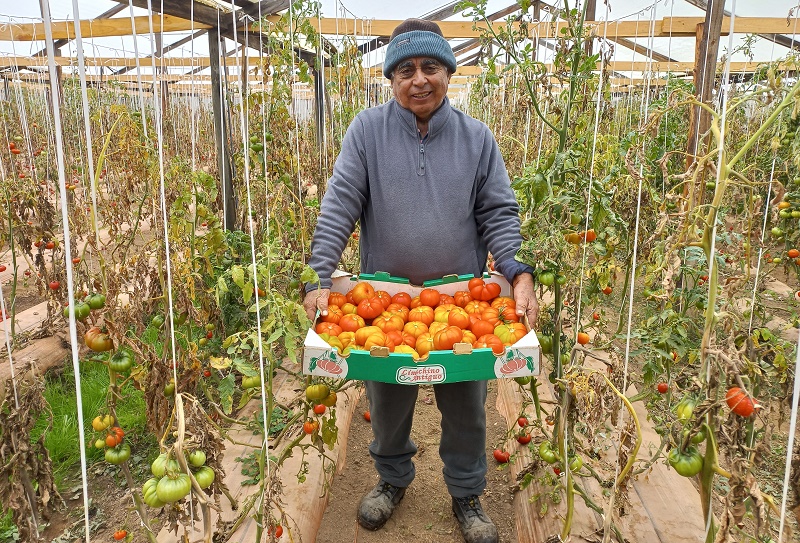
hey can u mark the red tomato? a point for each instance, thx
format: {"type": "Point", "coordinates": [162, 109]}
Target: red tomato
{"type": "Point", "coordinates": [367, 417]}
{"type": "Point", "coordinates": [50, 245]}
{"type": "Point", "coordinates": [55, 285]}
{"type": "Point", "coordinates": [384, 297]}
{"type": "Point", "coordinates": [370, 308]}
{"type": "Point", "coordinates": [119, 535]}
{"type": "Point", "coordinates": [310, 426]}
{"type": "Point", "coordinates": [663, 388]}
{"type": "Point", "coordinates": [462, 298]}
{"type": "Point", "coordinates": [596, 316]}
{"type": "Point", "coordinates": [351, 323]}
{"type": "Point", "coordinates": [480, 290]}
{"type": "Point", "coordinates": [319, 409]}
{"type": "Point", "coordinates": [501, 456]}
{"type": "Point", "coordinates": [402, 298]}
{"type": "Point", "coordinates": [429, 297]}
{"type": "Point", "coordinates": [337, 299]}
{"type": "Point", "coordinates": [607, 290]}
{"type": "Point", "coordinates": [522, 421]}
{"type": "Point", "coordinates": [446, 299]}
{"type": "Point", "coordinates": [2, 268]}
{"type": "Point", "coordinates": [523, 438]}
{"type": "Point", "coordinates": [590, 235]}
{"type": "Point", "coordinates": [739, 402]}
{"type": "Point", "coordinates": [489, 341]}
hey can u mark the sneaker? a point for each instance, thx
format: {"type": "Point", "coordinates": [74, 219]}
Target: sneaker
{"type": "Point", "coordinates": [476, 527]}
{"type": "Point", "coordinates": [378, 505]}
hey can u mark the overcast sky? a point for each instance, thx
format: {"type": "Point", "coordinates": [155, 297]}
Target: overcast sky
{"type": "Point", "coordinates": [632, 10]}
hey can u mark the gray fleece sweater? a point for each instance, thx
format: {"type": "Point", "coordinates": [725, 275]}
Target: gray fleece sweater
{"type": "Point", "coordinates": [428, 208]}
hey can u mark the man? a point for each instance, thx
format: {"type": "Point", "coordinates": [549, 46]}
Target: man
{"type": "Point", "coordinates": [429, 186]}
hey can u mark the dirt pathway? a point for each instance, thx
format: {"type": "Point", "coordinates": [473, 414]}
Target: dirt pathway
{"type": "Point", "coordinates": [424, 515]}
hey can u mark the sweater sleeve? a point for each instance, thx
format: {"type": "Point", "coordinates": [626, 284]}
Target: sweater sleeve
{"type": "Point", "coordinates": [344, 199]}
{"type": "Point", "coordinates": [497, 211]}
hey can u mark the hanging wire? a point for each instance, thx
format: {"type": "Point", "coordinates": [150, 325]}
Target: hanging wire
{"type": "Point", "coordinates": [62, 187]}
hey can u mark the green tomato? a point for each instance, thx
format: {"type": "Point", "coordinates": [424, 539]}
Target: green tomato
{"type": "Point", "coordinates": [777, 232]}
{"type": "Point", "coordinates": [699, 437]}
{"type": "Point", "coordinates": [149, 493]}
{"type": "Point", "coordinates": [561, 279]}
{"type": "Point", "coordinates": [547, 278]}
{"type": "Point", "coordinates": [96, 301]}
{"type": "Point", "coordinates": [523, 380]}
{"type": "Point", "coordinates": [685, 408]}
{"type": "Point", "coordinates": [796, 213]}
{"type": "Point", "coordinates": [545, 342]}
{"type": "Point", "coordinates": [173, 488]}
{"type": "Point", "coordinates": [163, 464]}
{"type": "Point", "coordinates": [785, 214]}
{"type": "Point", "coordinates": [687, 463]}
{"type": "Point", "coordinates": [251, 382]}
{"type": "Point", "coordinates": [315, 393]}
{"type": "Point", "coordinates": [119, 454]}
{"type": "Point", "coordinates": [121, 361]}
{"type": "Point", "coordinates": [575, 463]}
{"type": "Point", "coordinates": [257, 147]}
{"type": "Point", "coordinates": [204, 476]}
{"type": "Point", "coordinates": [82, 311]}
{"type": "Point", "coordinates": [547, 453]}
{"type": "Point", "coordinates": [197, 458]}
{"type": "Point", "coordinates": [158, 321]}
{"type": "Point", "coordinates": [169, 389]}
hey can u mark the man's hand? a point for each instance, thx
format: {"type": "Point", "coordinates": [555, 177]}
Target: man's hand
{"type": "Point", "coordinates": [317, 299]}
{"type": "Point", "coordinates": [525, 298]}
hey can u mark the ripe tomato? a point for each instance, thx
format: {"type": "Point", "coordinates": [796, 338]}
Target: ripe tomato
{"type": "Point", "coordinates": [362, 291]}
{"type": "Point", "coordinates": [445, 339]}
{"type": "Point", "coordinates": [319, 409]}
{"type": "Point", "coordinates": [51, 244]}
{"type": "Point", "coordinates": [596, 316]}
{"type": "Point", "coordinates": [501, 456]}
{"type": "Point", "coordinates": [480, 290]}
{"type": "Point", "coordinates": [458, 317]}
{"type": "Point", "coordinates": [522, 421]}
{"type": "Point", "coordinates": [97, 340]}
{"type": "Point", "coordinates": [54, 285]}
{"type": "Point", "coordinates": [367, 416]}
{"type": "Point", "coordinates": [583, 338]}
{"type": "Point", "coordinates": [429, 297]}
{"type": "Point", "coordinates": [389, 322]}
{"type": "Point", "coordinates": [384, 297]}
{"type": "Point", "coordinates": [739, 402]}
{"type": "Point", "coordinates": [663, 388]}
{"type": "Point", "coordinates": [462, 298]}
{"type": "Point", "coordinates": [402, 298]}
{"type": "Point", "coordinates": [423, 314]}
{"type": "Point", "coordinates": [489, 341]}
{"type": "Point", "coordinates": [330, 328]}
{"type": "Point", "coordinates": [337, 298]}
{"type": "Point", "coordinates": [523, 438]}
{"type": "Point", "coordinates": [119, 535]}
{"type": "Point", "coordinates": [351, 323]}
{"type": "Point", "coordinates": [310, 426]}
{"type": "Point", "coordinates": [2, 268]}
{"type": "Point", "coordinates": [446, 299]}
{"type": "Point", "coordinates": [607, 290]}
{"type": "Point", "coordinates": [793, 253]}
{"type": "Point", "coordinates": [370, 308]}
{"type": "Point", "coordinates": [590, 235]}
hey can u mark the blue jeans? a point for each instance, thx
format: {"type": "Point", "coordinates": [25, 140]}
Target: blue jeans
{"type": "Point", "coordinates": [463, 444]}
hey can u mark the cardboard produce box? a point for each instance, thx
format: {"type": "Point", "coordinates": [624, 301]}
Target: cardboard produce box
{"type": "Point", "coordinates": [462, 363]}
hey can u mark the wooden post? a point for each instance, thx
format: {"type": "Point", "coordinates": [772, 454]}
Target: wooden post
{"type": "Point", "coordinates": [319, 106]}
{"type": "Point", "coordinates": [705, 67]}
{"type": "Point", "coordinates": [591, 15]}
{"type": "Point", "coordinates": [221, 132]}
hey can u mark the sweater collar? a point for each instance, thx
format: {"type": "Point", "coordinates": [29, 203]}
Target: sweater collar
{"type": "Point", "coordinates": [435, 124]}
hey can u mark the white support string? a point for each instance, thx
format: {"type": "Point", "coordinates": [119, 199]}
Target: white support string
{"type": "Point", "coordinates": [138, 67]}
{"type": "Point", "coordinates": [62, 186]}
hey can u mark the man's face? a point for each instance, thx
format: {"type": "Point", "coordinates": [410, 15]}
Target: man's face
{"type": "Point", "coordinates": [420, 84]}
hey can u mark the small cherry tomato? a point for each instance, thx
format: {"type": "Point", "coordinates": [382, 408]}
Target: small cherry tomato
{"type": "Point", "coordinates": [319, 409]}
{"type": "Point", "coordinates": [663, 388]}
{"type": "Point", "coordinates": [367, 417]}
{"type": "Point", "coordinates": [119, 535]}
{"type": "Point", "coordinates": [501, 456]}
{"type": "Point", "coordinates": [522, 421]}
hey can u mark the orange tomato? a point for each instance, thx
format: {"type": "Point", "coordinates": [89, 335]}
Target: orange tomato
{"type": "Point", "coordinates": [389, 321]}
{"type": "Point", "coordinates": [502, 302]}
{"type": "Point", "coordinates": [330, 328]}
{"type": "Point", "coordinates": [446, 299]}
{"type": "Point", "coordinates": [793, 253]}
{"type": "Point", "coordinates": [462, 298]}
{"type": "Point", "coordinates": [429, 297]}
{"type": "Point", "coordinates": [395, 336]}
{"type": "Point", "coordinates": [422, 313]}
{"type": "Point", "coordinates": [406, 349]}
{"type": "Point", "coordinates": [469, 337]}
{"type": "Point", "coordinates": [415, 302]}
{"type": "Point", "coordinates": [351, 323]}
{"type": "Point", "coordinates": [349, 308]}
{"type": "Point", "coordinates": [458, 317]}
{"type": "Point", "coordinates": [334, 314]}
{"type": "Point", "coordinates": [346, 338]}
{"type": "Point", "coordinates": [402, 298]}
{"type": "Point", "coordinates": [590, 235]}
{"type": "Point", "coordinates": [445, 339]}
{"type": "Point", "coordinates": [398, 309]}
{"type": "Point", "coordinates": [408, 339]}
{"type": "Point", "coordinates": [475, 306]}
{"type": "Point", "coordinates": [607, 290]}
{"type": "Point", "coordinates": [479, 326]}
{"type": "Point", "coordinates": [424, 344]}
{"type": "Point", "coordinates": [337, 299]}
{"type": "Point", "coordinates": [362, 291]}
{"type": "Point", "coordinates": [363, 333]}
{"type": "Point", "coordinates": [436, 326]}
{"type": "Point", "coordinates": [415, 328]}
{"type": "Point", "coordinates": [583, 338]}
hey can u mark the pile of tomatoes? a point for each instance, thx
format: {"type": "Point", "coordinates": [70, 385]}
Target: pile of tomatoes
{"type": "Point", "coordinates": [365, 318]}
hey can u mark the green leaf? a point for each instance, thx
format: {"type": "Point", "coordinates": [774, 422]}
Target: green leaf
{"type": "Point", "coordinates": [309, 275]}
{"type": "Point", "coordinates": [226, 388]}
{"type": "Point", "coordinates": [237, 275]}
{"type": "Point", "coordinates": [247, 292]}
{"type": "Point", "coordinates": [245, 368]}
{"type": "Point", "coordinates": [329, 431]}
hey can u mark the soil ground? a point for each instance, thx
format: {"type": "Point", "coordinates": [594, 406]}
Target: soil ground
{"type": "Point", "coordinates": [424, 515]}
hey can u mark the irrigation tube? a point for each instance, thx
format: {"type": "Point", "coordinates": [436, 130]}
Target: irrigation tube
{"type": "Point", "coordinates": [62, 188]}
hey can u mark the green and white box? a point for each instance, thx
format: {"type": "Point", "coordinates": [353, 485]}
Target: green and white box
{"type": "Point", "coordinates": [462, 363]}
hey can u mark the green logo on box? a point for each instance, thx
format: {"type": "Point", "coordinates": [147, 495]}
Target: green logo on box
{"type": "Point", "coordinates": [413, 375]}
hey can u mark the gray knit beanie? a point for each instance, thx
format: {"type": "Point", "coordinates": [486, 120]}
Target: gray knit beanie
{"type": "Point", "coordinates": [418, 38]}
